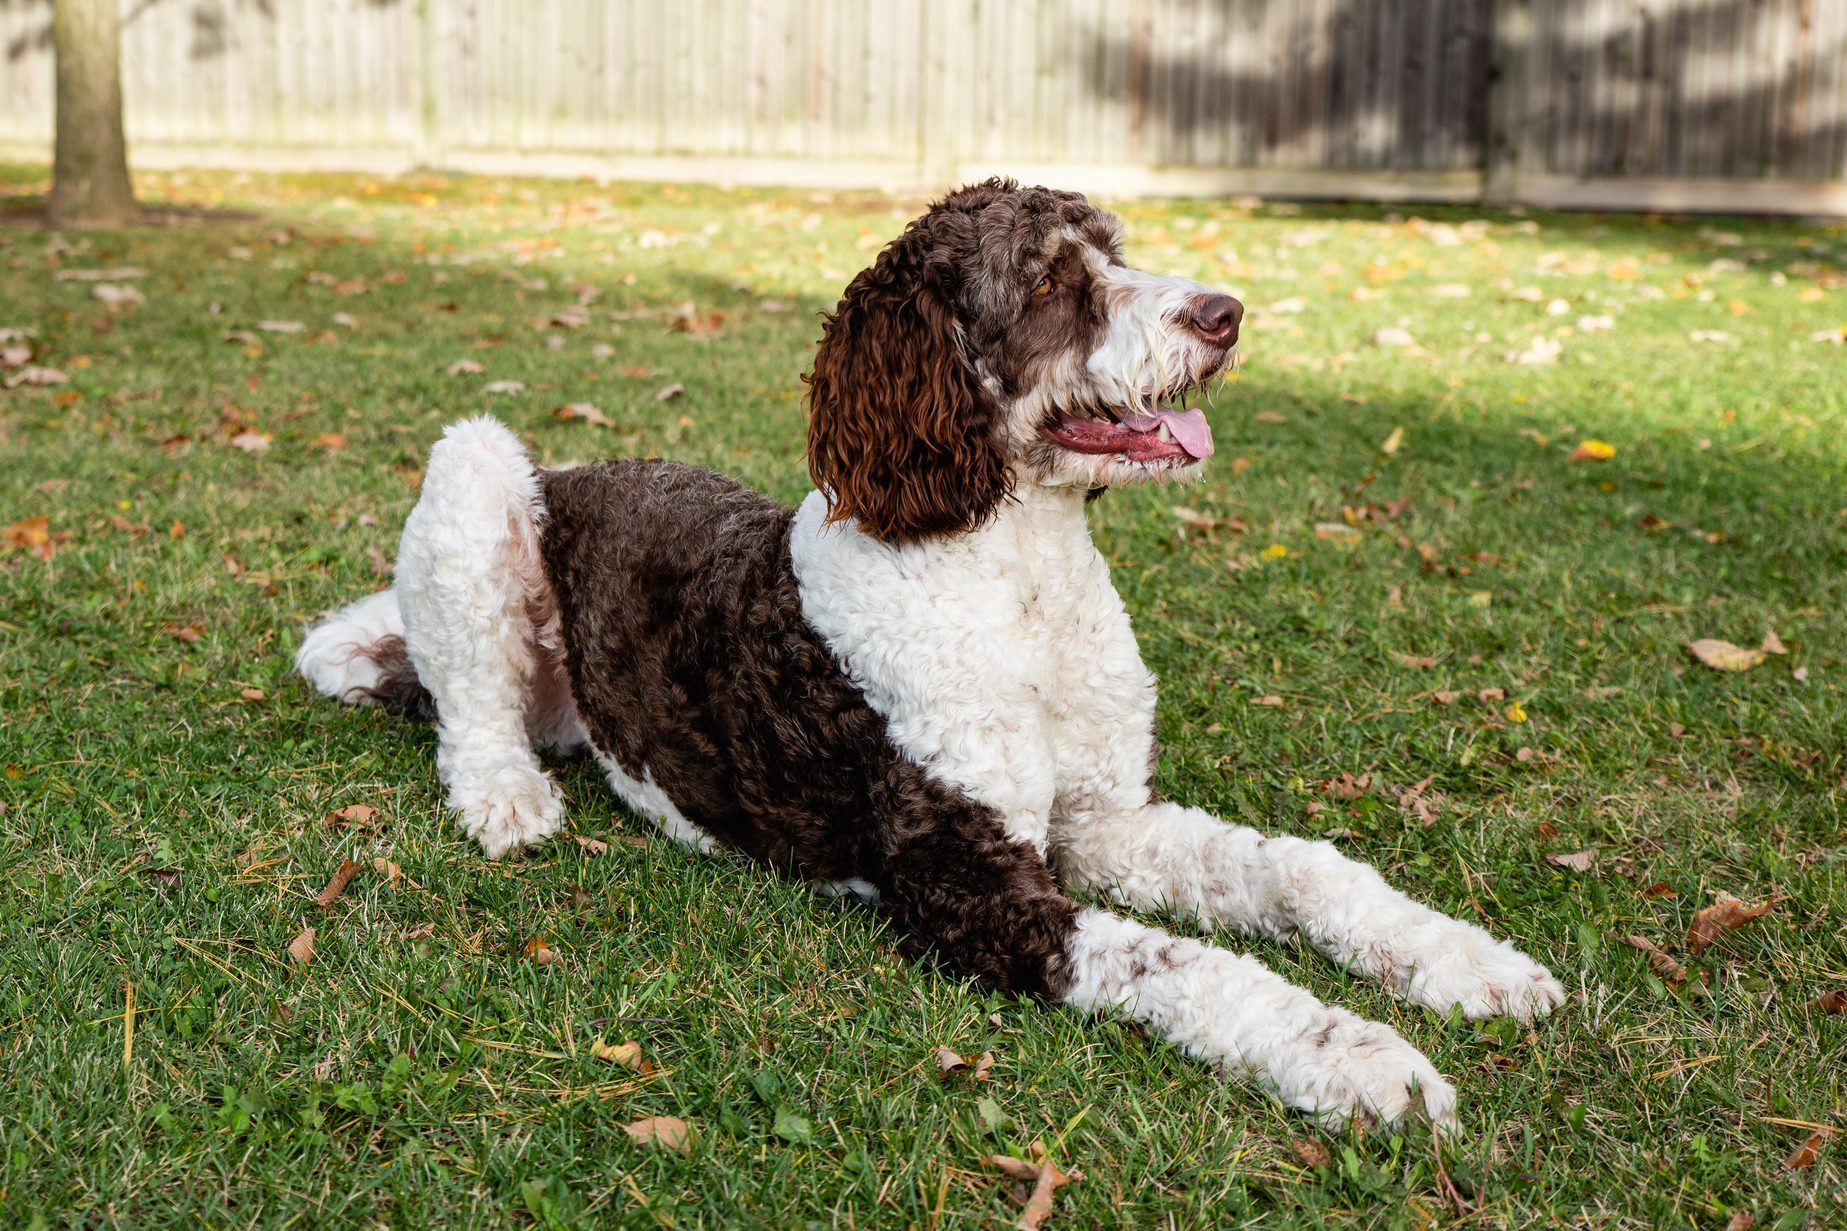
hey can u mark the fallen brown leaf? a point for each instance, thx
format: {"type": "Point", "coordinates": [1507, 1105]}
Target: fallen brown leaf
{"type": "Point", "coordinates": [250, 441]}
{"type": "Point", "coordinates": [1045, 1178]}
{"type": "Point", "coordinates": [1346, 786]}
{"type": "Point", "coordinates": [423, 931]}
{"type": "Point", "coordinates": [360, 816]}
{"type": "Point", "coordinates": [1311, 1152]}
{"type": "Point", "coordinates": [948, 1061]}
{"type": "Point", "coordinates": [667, 393]}
{"type": "Point", "coordinates": [302, 947]}
{"type": "Point", "coordinates": [538, 952]}
{"type": "Point", "coordinates": [1660, 960]}
{"type": "Point", "coordinates": [1725, 915]}
{"type": "Point", "coordinates": [253, 694]}
{"type": "Point", "coordinates": [1414, 660]}
{"type": "Point", "coordinates": [1805, 1154]}
{"type": "Point", "coordinates": [331, 441]}
{"type": "Point", "coordinates": [387, 869]}
{"type": "Point", "coordinates": [1193, 519]}
{"type": "Point", "coordinates": [464, 367]}
{"type": "Point", "coordinates": [1577, 861]}
{"type": "Point", "coordinates": [669, 1131]}
{"type": "Point", "coordinates": [591, 846]}
{"type": "Point", "coordinates": [1743, 1220]}
{"type": "Point", "coordinates": [1272, 702]}
{"type": "Point", "coordinates": [1834, 1000]}
{"type": "Point", "coordinates": [347, 871]}
{"type": "Point", "coordinates": [585, 411]}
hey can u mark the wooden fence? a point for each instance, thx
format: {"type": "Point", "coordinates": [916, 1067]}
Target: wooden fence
{"type": "Point", "coordinates": [1671, 104]}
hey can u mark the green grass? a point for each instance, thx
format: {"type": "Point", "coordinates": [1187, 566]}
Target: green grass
{"type": "Point", "coordinates": [161, 829]}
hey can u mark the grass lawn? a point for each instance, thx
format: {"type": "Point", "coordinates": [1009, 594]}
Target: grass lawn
{"type": "Point", "coordinates": [1396, 612]}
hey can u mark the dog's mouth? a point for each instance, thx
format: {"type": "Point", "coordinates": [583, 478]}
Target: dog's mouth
{"type": "Point", "coordinates": [1154, 433]}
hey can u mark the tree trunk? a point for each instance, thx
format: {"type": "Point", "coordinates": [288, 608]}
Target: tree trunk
{"type": "Point", "coordinates": [89, 180]}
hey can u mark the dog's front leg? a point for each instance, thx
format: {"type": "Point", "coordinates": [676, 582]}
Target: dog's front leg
{"type": "Point", "coordinates": [960, 889]}
{"type": "Point", "coordinates": [1166, 857]}
{"type": "Point", "coordinates": [1229, 1009]}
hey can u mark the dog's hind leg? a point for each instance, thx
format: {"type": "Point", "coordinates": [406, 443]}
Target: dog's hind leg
{"type": "Point", "coordinates": [476, 603]}
{"type": "Point", "coordinates": [357, 656]}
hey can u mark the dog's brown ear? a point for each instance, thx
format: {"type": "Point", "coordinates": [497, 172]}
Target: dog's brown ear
{"type": "Point", "coordinates": [901, 434]}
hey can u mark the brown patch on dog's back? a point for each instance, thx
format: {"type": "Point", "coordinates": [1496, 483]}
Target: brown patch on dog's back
{"type": "Point", "coordinates": [691, 661]}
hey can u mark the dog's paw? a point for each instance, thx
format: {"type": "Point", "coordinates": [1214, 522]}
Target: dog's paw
{"type": "Point", "coordinates": [1348, 1067]}
{"type": "Point", "coordinates": [1488, 978]}
{"type": "Point", "coordinates": [510, 809]}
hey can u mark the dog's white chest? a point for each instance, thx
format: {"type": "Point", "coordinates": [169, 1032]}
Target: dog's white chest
{"type": "Point", "coordinates": [1001, 660]}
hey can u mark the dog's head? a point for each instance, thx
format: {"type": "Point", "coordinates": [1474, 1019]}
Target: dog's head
{"type": "Point", "coordinates": [1001, 340]}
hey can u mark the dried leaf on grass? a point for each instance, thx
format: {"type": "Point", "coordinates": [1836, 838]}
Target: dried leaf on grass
{"type": "Point", "coordinates": [591, 846]}
{"type": "Point", "coordinates": [585, 411]}
{"type": "Point", "coordinates": [1834, 1000]}
{"type": "Point", "coordinates": [1805, 1154]}
{"type": "Point", "coordinates": [341, 878]}
{"type": "Point", "coordinates": [36, 376]}
{"type": "Point", "coordinates": [1724, 656]}
{"type": "Point", "coordinates": [628, 1054]}
{"type": "Point", "coordinates": [948, 1061]}
{"type": "Point", "coordinates": [1311, 1152]}
{"type": "Point", "coordinates": [359, 816]}
{"type": "Point", "coordinates": [1577, 861]}
{"type": "Point", "coordinates": [1660, 960]}
{"type": "Point", "coordinates": [302, 947]}
{"type": "Point", "coordinates": [1044, 1176]}
{"type": "Point", "coordinates": [538, 952]}
{"type": "Point", "coordinates": [1725, 915]}
{"type": "Point", "coordinates": [669, 1131]}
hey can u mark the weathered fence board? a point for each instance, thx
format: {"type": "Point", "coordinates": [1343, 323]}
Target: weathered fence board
{"type": "Point", "coordinates": [1605, 102]}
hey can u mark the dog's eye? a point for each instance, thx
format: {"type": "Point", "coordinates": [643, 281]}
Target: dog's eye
{"type": "Point", "coordinates": [1043, 286]}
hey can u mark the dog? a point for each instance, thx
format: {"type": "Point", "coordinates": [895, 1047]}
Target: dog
{"type": "Point", "coordinates": [918, 686]}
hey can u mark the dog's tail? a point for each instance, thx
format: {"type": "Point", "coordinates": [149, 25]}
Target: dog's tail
{"type": "Point", "coordinates": [357, 656]}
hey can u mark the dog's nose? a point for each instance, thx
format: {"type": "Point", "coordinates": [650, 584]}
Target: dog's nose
{"type": "Point", "coordinates": [1215, 318]}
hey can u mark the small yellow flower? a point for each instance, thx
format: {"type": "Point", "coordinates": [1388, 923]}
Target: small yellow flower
{"type": "Point", "coordinates": [1516, 712]}
{"type": "Point", "coordinates": [1275, 551]}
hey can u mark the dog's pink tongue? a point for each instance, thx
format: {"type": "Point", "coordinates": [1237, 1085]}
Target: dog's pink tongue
{"type": "Point", "coordinates": [1190, 429]}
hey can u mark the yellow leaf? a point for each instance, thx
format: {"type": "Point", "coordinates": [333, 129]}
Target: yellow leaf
{"type": "Point", "coordinates": [628, 1054]}
{"type": "Point", "coordinates": [1723, 655]}
{"type": "Point", "coordinates": [1592, 451]}
{"type": "Point", "coordinates": [1393, 443]}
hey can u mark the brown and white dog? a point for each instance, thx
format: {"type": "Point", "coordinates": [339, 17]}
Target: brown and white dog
{"type": "Point", "coordinates": [919, 685]}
